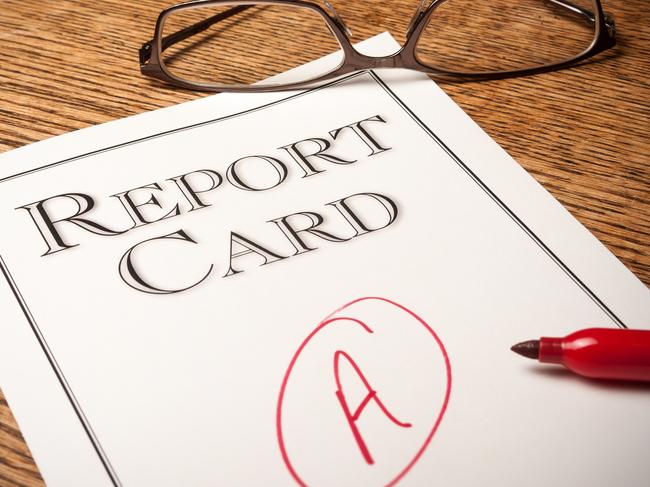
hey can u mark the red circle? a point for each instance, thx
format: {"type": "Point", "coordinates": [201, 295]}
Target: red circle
{"type": "Point", "coordinates": [325, 322]}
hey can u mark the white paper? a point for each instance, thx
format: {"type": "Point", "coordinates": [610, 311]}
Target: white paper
{"type": "Point", "coordinates": [234, 381]}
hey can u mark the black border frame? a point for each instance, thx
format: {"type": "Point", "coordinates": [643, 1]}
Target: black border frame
{"type": "Point", "coordinates": [518, 221]}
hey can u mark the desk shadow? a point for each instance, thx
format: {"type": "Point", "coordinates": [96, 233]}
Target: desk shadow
{"type": "Point", "coordinates": [618, 386]}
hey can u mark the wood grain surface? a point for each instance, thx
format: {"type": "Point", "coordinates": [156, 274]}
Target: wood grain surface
{"type": "Point", "coordinates": [581, 132]}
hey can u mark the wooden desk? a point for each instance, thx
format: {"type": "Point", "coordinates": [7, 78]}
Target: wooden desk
{"type": "Point", "coordinates": [583, 132]}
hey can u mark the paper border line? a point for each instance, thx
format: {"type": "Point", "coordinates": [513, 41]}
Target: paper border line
{"type": "Point", "coordinates": [513, 216]}
{"type": "Point", "coordinates": [59, 374]}
{"type": "Point", "coordinates": [178, 129]}
{"type": "Point", "coordinates": [41, 339]}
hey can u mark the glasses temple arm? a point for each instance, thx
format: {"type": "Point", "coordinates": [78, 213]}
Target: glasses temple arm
{"type": "Point", "coordinates": [587, 15]}
{"type": "Point", "coordinates": [189, 31]}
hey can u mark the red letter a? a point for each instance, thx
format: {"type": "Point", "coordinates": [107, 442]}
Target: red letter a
{"type": "Point", "coordinates": [370, 396]}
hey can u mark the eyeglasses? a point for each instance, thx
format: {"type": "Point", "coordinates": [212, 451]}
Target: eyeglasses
{"type": "Point", "coordinates": [214, 45]}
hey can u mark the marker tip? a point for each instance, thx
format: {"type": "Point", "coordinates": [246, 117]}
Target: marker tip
{"type": "Point", "coordinates": [528, 349]}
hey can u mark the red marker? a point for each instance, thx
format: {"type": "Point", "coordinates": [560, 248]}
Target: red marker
{"type": "Point", "coordinates": [599, 353]}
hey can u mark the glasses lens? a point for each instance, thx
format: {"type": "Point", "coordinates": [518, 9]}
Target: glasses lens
{"type": "Point", "coordinates": [240, 43]}
{"type": "Point", "coordinates": [478, 36]}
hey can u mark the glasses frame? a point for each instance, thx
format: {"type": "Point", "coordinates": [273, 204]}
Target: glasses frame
{"type": "Point", "coordinates": [152, 64]}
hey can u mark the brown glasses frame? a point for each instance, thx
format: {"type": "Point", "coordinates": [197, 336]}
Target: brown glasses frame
{"type": "Point", "coordinates": [151, 61]}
